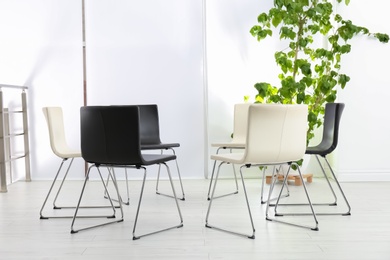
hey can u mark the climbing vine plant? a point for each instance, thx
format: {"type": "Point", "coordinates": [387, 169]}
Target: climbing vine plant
{"type": "Point", "coordinates": [308, 74]}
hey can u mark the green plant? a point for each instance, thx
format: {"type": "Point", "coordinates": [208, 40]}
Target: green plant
{"type": "Point", "coordinates": [309, 74]}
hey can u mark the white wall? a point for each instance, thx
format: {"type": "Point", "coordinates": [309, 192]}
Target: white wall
{"type": "Point", "coordinates": [152, 52]}
{"type": "Point", "coordinates": [363, 152]}
{"type": "Point", "coordinates": [142, 52]}
{"type": "Point", "coordinates": [235, 62]}
{"type": "Point", "coordinates": [137, 52]}
{"type": "Point", "coordinates": [40, 47]}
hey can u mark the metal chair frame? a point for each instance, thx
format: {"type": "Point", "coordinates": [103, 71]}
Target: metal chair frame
{"type": "Point", "coordinates": [110, 137]}
{"type": "Point", "coordinates": [328, 144]}
{"type": "Point", "coordinates": [286, 125]}
{"type": "Point", "coordinates": [150, 140]}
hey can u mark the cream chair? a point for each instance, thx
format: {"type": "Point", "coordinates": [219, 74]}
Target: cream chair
{"type": "Point", "coordinates": [237, 142]}
{"type": "Point", "coordinates": [276, 135]}
{"type": "Point", "coordinates": [59, 146]}
{"type": "Point", "coordinates": [240, 122]}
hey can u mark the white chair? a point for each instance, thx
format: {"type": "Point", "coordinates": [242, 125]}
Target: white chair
{"type": "Point", "coordinates": [237, 142]}
{"type": "Point", "coordinates": [276, 135]}
{"type": "Point", "coordinates": [240, 123]}
{"type": "Point", "coordinates": [59, 146]}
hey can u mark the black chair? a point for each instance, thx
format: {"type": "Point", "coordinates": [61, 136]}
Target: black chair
{"type": "Point", "coordinates": [150, 138]}
{"type": "Point", "coordinates": [328, 144]}
{"type": "Point", "coordinates": [110, 137]}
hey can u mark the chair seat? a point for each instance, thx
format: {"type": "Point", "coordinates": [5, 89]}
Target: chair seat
{"type": "Point", "coordinates": [239, 158]}
{"type": "Point", "coordinates": [228, 145]}
{"type": "Point", "coordinates": [69, 154]}
{"type": "Point", "coordinates": [150, 159]}
{"type": "Point", "coordinates": [159, 146]}
{"type": "Point", "coordinates": [320, 149]}
{"type": "Point", "coordinates": [234, 158]}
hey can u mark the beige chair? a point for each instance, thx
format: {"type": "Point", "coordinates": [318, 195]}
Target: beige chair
{"type": "Point", "coordinates": [276, 135]}
{"type": "Point", "coordinates": [59, 146]}
{"type": "Point", "coordinates": [55, 124]}
{"type": "Point", "coordinates": [237, 142]}
{"type": "Point", "coordinates": [240, 122]}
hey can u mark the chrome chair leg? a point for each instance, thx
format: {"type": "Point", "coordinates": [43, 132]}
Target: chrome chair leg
{"type": "Point", "coordinates": [127, 188]}
{"type": "Point", "coordinates": [339, 186]}
{"type": "Point", "coordinates": [315, 227]}
{"type": "Point", "coordinates": [274, 172]}
{"type": "Point", "coordinates": [59, 189]}
{"type": "Point", "coordinates": [58, 192]}
{"type": "Point", "coordinates": [179, 175]}
{"type": "Point", "coordinates": [72, 230]}
{"type": "Point", "coordinates": [212, 178]}
{"type": "Point", "coordinates": [62, 183]}
{"type": "Point", "coordinates": [252, 236]}
{"type": "Point", "coordinates": [334, 203]}
{"type": "Point", "coordinates": [347, 213]}
{"type": "Point", "coordinates": [139, 206]}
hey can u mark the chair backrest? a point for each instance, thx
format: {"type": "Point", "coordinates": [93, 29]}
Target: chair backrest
{"type": "Point", "coordinates": [55, 123]}
{"type": "Point", "coordinates": [240, 122]}
{"type": "Point", "coordinates": [276, 133]}
{"type": "Point", "coordinates": [149, 124]}
{"type": "Point", "coordinates": [110, 135]}
{"type": "Point", "coordinates": [330, 136]}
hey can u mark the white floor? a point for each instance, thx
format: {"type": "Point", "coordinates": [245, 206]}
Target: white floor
{"type": "Point", "coordinates": [363, 235]}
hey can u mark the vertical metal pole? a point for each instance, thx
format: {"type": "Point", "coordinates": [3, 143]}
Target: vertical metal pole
{"type": "Point", "coordinates": [84, 54]}
{"type": "Point", "coordinates": [26, 137]}
{"type": "Point", "coordinates": [7, 144]}
{"type": "Point", "coordinates": [206, 158]}
{"type": "Point", "coordinates": [3, 176]}
{"type": "Point", "coordinates": [84, 65]}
